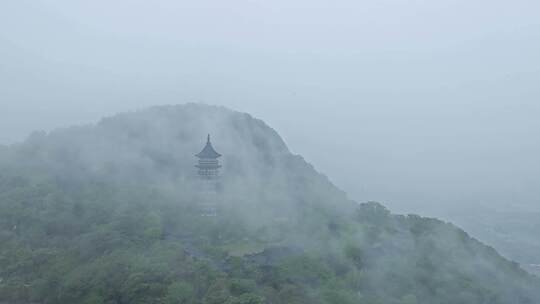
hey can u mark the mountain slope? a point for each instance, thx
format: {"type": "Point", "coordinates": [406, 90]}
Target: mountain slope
{"type": "Point", "coordinates": [109, 214]}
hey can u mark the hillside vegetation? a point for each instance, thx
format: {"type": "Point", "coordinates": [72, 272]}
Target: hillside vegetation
{"type": "Point", "coordinates": [108, 213]}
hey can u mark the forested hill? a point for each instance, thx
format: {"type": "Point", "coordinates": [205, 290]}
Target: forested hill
{"type": "Point", "coordinates": [109, 213]}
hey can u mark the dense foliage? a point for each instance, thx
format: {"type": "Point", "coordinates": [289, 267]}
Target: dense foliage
{"type": "Point", "coordinates": [109, 214]}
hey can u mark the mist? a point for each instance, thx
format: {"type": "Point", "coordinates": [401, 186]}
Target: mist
{"type": "Point", "coordinates": [116, 212]}
{"type": "Point", "coordinates": [428, 107]}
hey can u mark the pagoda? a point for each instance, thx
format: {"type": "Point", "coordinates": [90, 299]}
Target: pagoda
{"type": "Point", "coordinates": [208, 162]}
{"type": "Point", "coordinates": [208, 172]}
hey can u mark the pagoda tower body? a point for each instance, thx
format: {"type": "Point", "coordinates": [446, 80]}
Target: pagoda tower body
{"type": "Point", "coordinates": [208, 172]}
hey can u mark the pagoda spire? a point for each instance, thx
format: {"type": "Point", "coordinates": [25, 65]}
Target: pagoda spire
{"type": "Point", "coordinates": [208, 152]}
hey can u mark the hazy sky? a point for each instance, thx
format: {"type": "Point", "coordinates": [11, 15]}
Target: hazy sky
{"type": "Point", "coordinates": [405, 102]}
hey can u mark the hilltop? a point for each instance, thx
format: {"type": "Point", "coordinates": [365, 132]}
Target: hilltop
{"type": "Point", "coordinates": [108, 213]}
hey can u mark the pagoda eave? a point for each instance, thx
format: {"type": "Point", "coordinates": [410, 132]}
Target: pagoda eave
{"type": "Point", "coordinates": [208, 167]}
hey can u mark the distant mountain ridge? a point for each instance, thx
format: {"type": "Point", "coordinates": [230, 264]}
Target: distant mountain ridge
{"type": "Point", "coordinates": [108, 213]}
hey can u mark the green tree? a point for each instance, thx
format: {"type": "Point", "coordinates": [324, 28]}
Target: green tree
{"type": "Point", "coordinates": [409, 299]}
{"type": "Point", "coordinates": [180, 293]}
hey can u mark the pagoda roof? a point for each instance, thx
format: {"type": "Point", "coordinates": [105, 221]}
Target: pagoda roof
{"type": "Point", "coordinates": [208, 151]}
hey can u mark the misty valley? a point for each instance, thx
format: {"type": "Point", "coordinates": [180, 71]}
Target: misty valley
{"type": "Point", "coordinates": [147, 207]}
{"type": "Point", "coordinates": [514, 233]}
